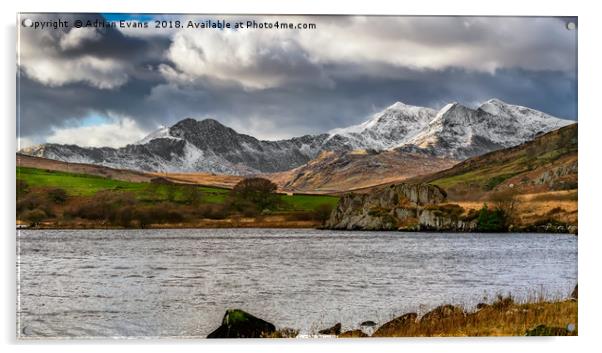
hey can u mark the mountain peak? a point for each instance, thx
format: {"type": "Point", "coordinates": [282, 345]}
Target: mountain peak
{"type": "Point", "coordinates": [161, 132]}
{"type": "Point", "coordinates": [453, 108]}
{"type": "Point", "coordinates": [190, 123]}
{"type": "Point", "coordinates": [496, 101]}
{"type": "Point", "coordinates": [398, 105]}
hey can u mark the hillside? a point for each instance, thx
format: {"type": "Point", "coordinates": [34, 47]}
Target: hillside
{"type": "Point", "coordinates": [535, 184]}
{"type": "Point", "coordinates": [333, 172]}
{"type": "Point", "coordinates": [57, 199]}
{"type": "Point", "coordinates": [548, 163]}
{"type": "Point", "coordinates": [203, 179]}
{"type": "Point", "coordinates": [27, 161]}
{"type": "Point", "coordinates": [541, 176]}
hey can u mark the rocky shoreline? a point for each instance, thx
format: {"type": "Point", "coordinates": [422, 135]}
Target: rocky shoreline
{"type": "Point", "coordinates": [502, 317]}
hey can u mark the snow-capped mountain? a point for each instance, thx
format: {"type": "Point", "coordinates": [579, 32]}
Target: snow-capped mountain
{"type": "Point", "coordinates": [456, 132]}
{"type": "Point", "coordinates": [460, 132]}
{"type": "Point", "coordinates": [192, 145]}
{"type": "Point", "coordinates": [395, 125]}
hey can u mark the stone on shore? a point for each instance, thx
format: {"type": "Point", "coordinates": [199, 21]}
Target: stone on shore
{"type": "Point", "coordinates": [240, 324]}
{"type": "Point", "coordinates": [442, 312]}
{"type": "Point", "coordinates": [334, 330]}
{"type": "Point", "coordinates": [396, 325]}
{"type": "Point", "coordinates": [353, 334]}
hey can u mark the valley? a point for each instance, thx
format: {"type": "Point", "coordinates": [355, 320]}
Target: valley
{"type": "Point", "coordinates": [496, 155]}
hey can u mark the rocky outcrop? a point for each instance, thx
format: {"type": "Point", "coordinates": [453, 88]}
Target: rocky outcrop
{"type": "Point", "coordinates": [398, 324]}
{"type": "Point", "coordinates": [575, 293]}
{"type": "Point", "coordinates": [442, 312]}
{"type": "Point", "coordinates": [240, 324]}
{"type": "Point", "coordinates": [334, 330]}
{"type": "Point", "coordinates": [399, 207]}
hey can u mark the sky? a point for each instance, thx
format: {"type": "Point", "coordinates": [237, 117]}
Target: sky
{"type": "Point", "coordinates": [112, 86]}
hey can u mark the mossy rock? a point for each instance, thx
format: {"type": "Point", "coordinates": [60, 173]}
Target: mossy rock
{"type": "Point", "coordinates": [240, 324]}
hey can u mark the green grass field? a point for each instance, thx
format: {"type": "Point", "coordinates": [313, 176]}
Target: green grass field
{"type": "Point", "coordinates": [87, 185]}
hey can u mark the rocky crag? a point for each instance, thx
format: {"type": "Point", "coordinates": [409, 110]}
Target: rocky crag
{"type": "Point", "coordinates": [400, 207]}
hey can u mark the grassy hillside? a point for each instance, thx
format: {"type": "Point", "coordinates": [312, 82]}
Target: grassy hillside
{"type": "Point", "coordinates": [548, 163]}
{"type": "Point", "coordinates": [87, 185]}
{"type": "Point", "coordinates": [536, 182]}
{"type": "Point", "coordinates": [58, 199]}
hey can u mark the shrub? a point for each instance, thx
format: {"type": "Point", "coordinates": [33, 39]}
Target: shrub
{"type": "Point", "coordinates": [156, 214]}
{"type": "Point", "coordinates": [22, 188]}
{"type": "Point", "coordinates": [496, 180]}
{"type": "Point", "coordinates": [470, 216]}
{"type": "Point", "coordinates": [502, 303]}
{"type": "Point", "coordinates": [250, 210]}
{"type": "Point", "coordinates": [505, 201]}
{"type": "Point", "coordinates": [194, 196]}
{"type": "Point", "coordinates": [34, 217]}
{"type": "Point", "coordinates": [104, 205]}
{"type": "Point", "coordinates": [124, 216]}
{"type": "Point", "coordinates": [34, 201]}
{"type": "Point", "coordinates": [259, 192]}
{"type": "Point", "coordinates": [58, 196]}
{"type": "Point", "coordinates": [212, 211]}
{"type": "Point", "coordinates": [322, 212]}
{"type": "Point", "coordinates": [491, 220]}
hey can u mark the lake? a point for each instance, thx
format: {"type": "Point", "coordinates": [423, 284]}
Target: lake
{"type": "Point", "coordinates": [164, 283]}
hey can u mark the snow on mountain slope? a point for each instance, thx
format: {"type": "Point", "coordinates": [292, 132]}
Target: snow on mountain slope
{"type": "Point", "coordinates": [460, 132]}
{"type": "Point", "coordinates": [455, 132]}
{"type": "Point", "coordinates": [526, 119]}
{"type": "Point", "coordinates": [162, 132]}
{"type": "Point", "coordinates": [396, 124]}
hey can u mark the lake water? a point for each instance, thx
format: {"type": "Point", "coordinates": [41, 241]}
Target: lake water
{"type": "Point", "coordinates": [150, 283]}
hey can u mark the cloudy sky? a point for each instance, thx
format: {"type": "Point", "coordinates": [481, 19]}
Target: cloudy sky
{"type": "Point", "coordinates": [110, 87]}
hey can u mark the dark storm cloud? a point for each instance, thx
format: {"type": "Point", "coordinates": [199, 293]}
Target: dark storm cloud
{"type": "Point", "coordinates": [288, 87]}
{"type": "Point", "coordinates": [297, 110]}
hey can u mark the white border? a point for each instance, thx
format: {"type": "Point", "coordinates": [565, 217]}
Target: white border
{"type": "Point", "coordinates": [590, 116]}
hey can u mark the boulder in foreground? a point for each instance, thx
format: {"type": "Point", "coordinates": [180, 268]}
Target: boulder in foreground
{"type": "Point", "coordinates": [334, 330]}
{"type": "Point", "coordinates": [240, 324]}
{"type": "Point", "coordinates": [399, 324]}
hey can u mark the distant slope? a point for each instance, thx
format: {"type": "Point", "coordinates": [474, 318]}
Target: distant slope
{"type": "Point", "coordinates": [82, 168]}
{"type": "Point", "coordinates": [548, 163]}
{"type": "Point", "coordinates": [333, 172]}
{"type": "Point", "coordinates": [209, 179]}
{"type": "Point", "coordinates": [205, 179]}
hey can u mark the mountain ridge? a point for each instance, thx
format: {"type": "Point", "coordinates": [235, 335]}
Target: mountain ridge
{"type": "Point", "coordinates": [456, 132]}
